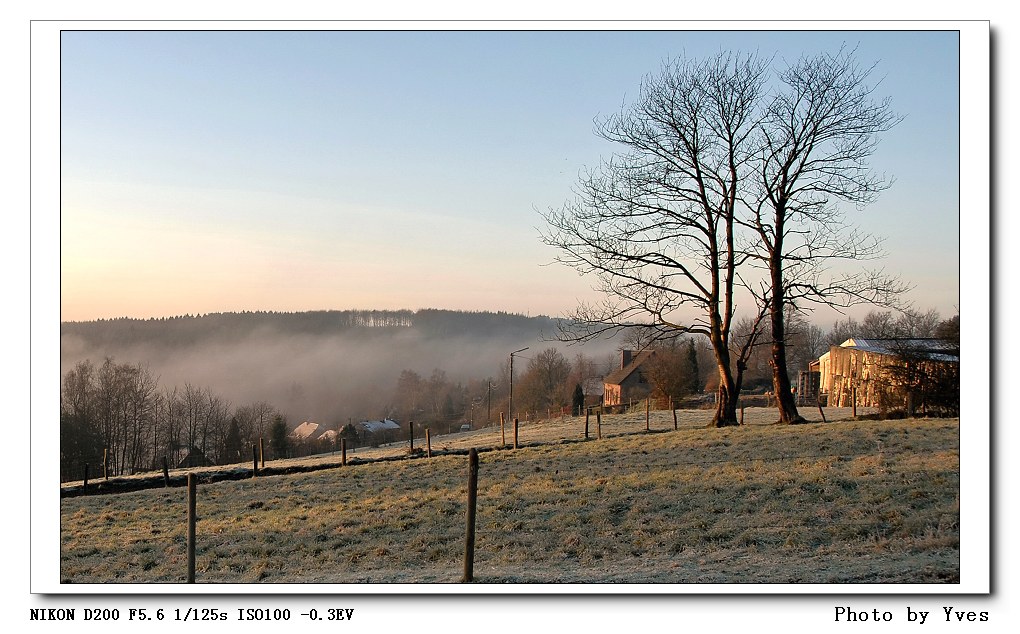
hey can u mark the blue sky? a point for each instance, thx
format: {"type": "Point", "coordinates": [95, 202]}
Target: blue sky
{"type": "Point", "coordinates": [218, 171]}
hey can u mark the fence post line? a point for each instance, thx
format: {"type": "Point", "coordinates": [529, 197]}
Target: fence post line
{"type": "Point", "coordinates": [469, 541]}
{"type": "Point", "coordinates": [192, 518]}
{"type": "Point", "coordinates": [166, 473]}
{"type": "Point", "coordinates": [515, 433]}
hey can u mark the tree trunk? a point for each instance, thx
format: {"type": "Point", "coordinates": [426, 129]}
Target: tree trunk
{"type": "Point", "coordinates": [785, 401]}
{"type": "Point", "coordinates": [728, 392]}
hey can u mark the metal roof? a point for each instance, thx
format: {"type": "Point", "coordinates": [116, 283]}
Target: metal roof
{"type": "Point", "coordinates": [934, 349]}
{"type": "Point", "coordinates": [378, 425]}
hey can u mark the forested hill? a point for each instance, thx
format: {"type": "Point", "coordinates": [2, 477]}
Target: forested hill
{"type": "Point", "coordinates": [312, 365]}
{"type": "Point", "coordinates": [232, 327]}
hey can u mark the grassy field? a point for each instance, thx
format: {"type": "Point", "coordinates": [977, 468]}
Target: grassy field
{"type": "Point", "coordinates": [837, 502]}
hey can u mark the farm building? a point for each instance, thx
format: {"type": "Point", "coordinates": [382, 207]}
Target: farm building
{"type": "Point", "coordinates": [900, 373]}
{"type": "Point", "coordinates": [195, 458]}
{"type": "Point", "coordinates": [629, 382]}
{"type": "Point", "coordinates": [378, 431]}
{"type": "Point", "coordinates": [808, 382]}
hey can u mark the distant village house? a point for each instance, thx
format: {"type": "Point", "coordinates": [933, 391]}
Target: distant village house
{"type": "Point", "coordinates": [628, 382]}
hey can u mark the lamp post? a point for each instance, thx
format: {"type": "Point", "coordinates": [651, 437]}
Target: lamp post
{"type": "Point", "coordinates": [510, 405]}
{"type": "Point", "coordinates": [488, 402]}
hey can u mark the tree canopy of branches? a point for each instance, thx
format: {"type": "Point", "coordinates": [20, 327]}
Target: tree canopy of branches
{"type": "Point", "coordinates": [817, 134]}
{"type": "Point", "coordinates": [728, 179]}
{"type": "Point", "coordinates": [674, 370]}
{"type": "Point", "coordinates": [545, 382]}
{"type": "Point", "coordinates": [656, 224]}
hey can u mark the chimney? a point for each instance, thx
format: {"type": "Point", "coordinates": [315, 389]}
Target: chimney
{"type": "Point", "coordinates": [625, 358]}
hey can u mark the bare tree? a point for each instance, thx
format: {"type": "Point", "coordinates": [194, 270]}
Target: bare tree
{"type": "Point", "coordinates": [817, 134]}
{"type": "Point", "coordinates": [655, 225]}
{"type": "Point", "coordinates": [545, 384]}
{"type": "Point", "coordinates": [674, 370]}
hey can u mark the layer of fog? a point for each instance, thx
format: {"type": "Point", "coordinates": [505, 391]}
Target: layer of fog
{"type": "Point", "coordinates": [322, 378]}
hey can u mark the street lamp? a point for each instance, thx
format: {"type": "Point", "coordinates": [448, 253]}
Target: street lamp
{"type": "Point", "coordinates": [510, 406]}
{"type": "Point", "coordinates": [488, 402]}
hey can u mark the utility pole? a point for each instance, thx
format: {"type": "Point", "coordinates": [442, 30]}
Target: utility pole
{"type": "Point", "coordinates": [510, 406]}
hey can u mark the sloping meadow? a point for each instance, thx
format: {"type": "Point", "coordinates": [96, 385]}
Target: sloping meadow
{"type": "Point", "coordinates": [845, 502]}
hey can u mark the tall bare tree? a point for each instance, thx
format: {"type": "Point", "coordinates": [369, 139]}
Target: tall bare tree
{"type": "Point", "coordinates": [817, 135]}
{"type": "Point", "coordinates": [656, 224]}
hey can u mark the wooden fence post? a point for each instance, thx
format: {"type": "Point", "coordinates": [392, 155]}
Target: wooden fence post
{"type": "Point", "coordinates": [515, 433]}
{"type": "Point", "coordinates": [343, 452]}
{"type": "Point", "coordinates": [410, 434]}
{"type": "Point", "coordinates": [502, 429]}
{"type": "Point", "coordinates": [428, 443]}
{"type": "Point", "coordinates": [587, 413]}
{"type": "Point", "coordinates": [672, 406]}
{"type": "Point", "coordinates": [106, 460]}
{"type": "Point", "coordinates": [648, 411]}
{"type": "Point", "coordinates": [741, 415]}
{"type": "Point", "coordinates": [192, 518]}
{"type": "Point", "coordinates": [254, 461]}
{"type": "Point", "coordinates": [85, 481]}
{"type": "Point", "coordinates": [166, 473]}
{"type": "Point", "coordinates": [469, 541]}
{"type": "Point", "coordinates": [598, 423]}
{"type": "Point", "coordinates": [262, 453]}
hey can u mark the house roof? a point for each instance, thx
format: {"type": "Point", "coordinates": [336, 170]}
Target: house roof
{"type": "Point", "coordinates": [933, 349]}
{"type": "Point", "coordinates": [617, 377]}
{"type": "Point", "coordinates": [373, 426]}
{"type": "Point", "coordinates": [304, 430]}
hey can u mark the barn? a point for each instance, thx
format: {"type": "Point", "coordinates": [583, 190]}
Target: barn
{"type": "Point", "coordinates": [911, 374]}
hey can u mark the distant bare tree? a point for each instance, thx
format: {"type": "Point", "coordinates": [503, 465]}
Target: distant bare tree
{"type": "Point", "coordinates": [949, 330]}
{"type": "Point", "coordinates": [545, 382]}
{"type": "Point", "coordinates": [913, 323]}
{"type": "Point", "coordinates": [674, 370]}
